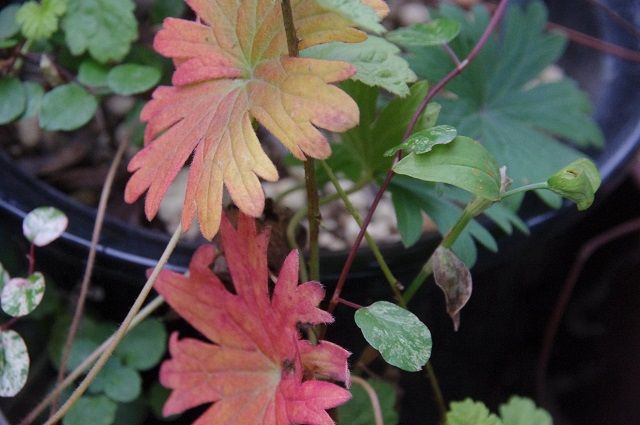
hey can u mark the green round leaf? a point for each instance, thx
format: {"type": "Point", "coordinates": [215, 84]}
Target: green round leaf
{"type": "Point", "coordinates": [121, 383]}
{"type": "Point", "coordinates": [463, 162]}
{"type": "Point", "coordinates": [424, 140]}
{"type": "Point", "coordinates": [93, 74]}
{"type": "Point", "coordinates": [358, 410]}
{"type": "Point", "coordinates": [40, 20]}
{"type": "Point", "coordinates": [144, 346]}
{"type": "Point", "coordinates": [8, 24]}
{"type": "Point", "coordinates": [578, 182]}
{"type": "Point", "coordinates": [522, 411]}
{"type": "Point", "coordinates": [14, 363]}
{"type": "Point", "coordinates": [400, 337]}
{"type": "Point", "coordinates": [21, 296]}
{"type": "Point", "coordinates": [469, 412]}
{"type": "Point", "coordinates": [4, 277]}
{"type": "Point", "coordinates": [13, 99]}
{"type": "Point", "coordinates": [67, 107]}
{"type": "Point", "coordinates": [44, 225]}
{"type": "Point", "coordinates": [130, 78]}
{"type": "Point", "coordinates": [91, 410]}
{"type": "Point", "coordinates": [35, 93]}
{"type": "Point", "coordinates": [439, 31]}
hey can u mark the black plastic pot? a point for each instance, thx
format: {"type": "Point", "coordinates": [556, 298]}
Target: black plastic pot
{"type": "Point", "coordinates": [484, 347]}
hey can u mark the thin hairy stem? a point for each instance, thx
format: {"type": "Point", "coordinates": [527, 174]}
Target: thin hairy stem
{"type": "Point", "coordinates": [373, 398]}
{"type": "Point", "coordinates": [394, 284]}
{"type": "Point", "coordinates": [88, 271]}
{"type": "Point", "coordinates": [120, 333]}
{"type": "Point", "coordinates": [79, 370]}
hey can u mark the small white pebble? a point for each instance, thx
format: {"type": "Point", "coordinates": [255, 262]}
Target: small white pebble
{"type": "Point", "coordinates": [413, 13]}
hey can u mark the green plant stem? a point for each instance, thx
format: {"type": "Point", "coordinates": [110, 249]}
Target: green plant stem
{"type": "Point", "coordinates": [287, 192]}
{"type": "Point", "coordinates": [79, 370]}
{"type": "Point", "coordinates": [88, 271]}
{"type": "Point", "coordinates": [393, 282]}
{"type": "Point", "coordinates": [437, 393]}
{"type": "Point", "coordinates": [302, 213]}
{"type": "Point", "coordinates": [526, 188]}
{"type": "Point", "coordinates": [120, 333]}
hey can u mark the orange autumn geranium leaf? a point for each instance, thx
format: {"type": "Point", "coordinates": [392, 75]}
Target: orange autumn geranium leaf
{"type": "Point", "coordinates": [232, 67]}
{"type": "Point", "coordinates": [258, 370]}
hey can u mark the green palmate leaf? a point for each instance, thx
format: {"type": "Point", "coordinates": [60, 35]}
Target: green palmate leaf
{"type": "Point", "coordinates": [424, 140]}
{"type": "Point", "coordinates": [496, 103]}
{"type": "Point", "coordinates": [21, 296]}
{"type": "Point", "coordinates": [578, 182]}
{"type": "Point", "coordinates": [144, 346]}
{"type": "Point", "coordinates": [435, 33]}
{"type": "Point", "coordinates": [13, 99]}
{"type": "Point", "coordinates": [130, 79]}
{"type": "Point", "coordinates": [67, 107]}
{"type": "Point", "coordinates": [35, 93]}
{"type": "Point", "coordinates": [92, 73]}
{"type": "Point", "coordinates": [97, 410]}
{"type": "Point", "coordinates": [14, 363]}
{"type": "Point", "coordinates": [104, 28]}
{"type": "Point", "coordinates": [522, 411]}
{"type": "Point", "coordinates": [454, 278]}
{"type": "Point", "coordinates": [442, 205]}
{"type": "Point", "coordinates": [463, 163]}
{"type": "Point", "coordinates": [357, 12]}
{"type": "Point", "coordinates": [8, 24]}
{"type": "Point", "coordinates": [377, 61]}
{"type": "Point", "coordinates": [39, 21]}
{"type": "Point", "coordinates": [358, 410]}
{"type": "Point", "coordinates": [400, 337]}
{"type": "Point", "coordinates": [44, 225]}
{"type": "Point", "coordinates": [469, 412]}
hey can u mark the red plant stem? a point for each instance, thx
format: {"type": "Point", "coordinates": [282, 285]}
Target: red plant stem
{"type": "Point", "coordinates": [495, 19]}
{"type": "Point", "coordinates": [349, 304]}
{"type": "Point", "coordinates": [8, 324]}
{"type": "Point", "coordinates": [585, 253]}
{"type": "Point", "coordinates": [32, 259]}
{"type": "Point", "coordinates": [595, 43]}
{"type": "Point", "coordinates": [630, 27]}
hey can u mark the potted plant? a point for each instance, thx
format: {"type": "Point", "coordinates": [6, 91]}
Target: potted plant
{"type": "Point", "coordinates": [339, 116]}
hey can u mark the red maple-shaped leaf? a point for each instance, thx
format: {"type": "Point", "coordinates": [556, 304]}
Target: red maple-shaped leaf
{"type": "Point", "coordinates": [232, 67]}
{"type": "Point", "coordinates": [258, 370]}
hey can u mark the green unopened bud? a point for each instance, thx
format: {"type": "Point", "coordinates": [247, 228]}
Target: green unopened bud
{"type": "Point", "coordinates": [577, 182]}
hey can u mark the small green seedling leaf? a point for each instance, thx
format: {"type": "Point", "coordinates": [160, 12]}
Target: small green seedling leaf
{"type": "Point", "coordinates": [131, 78]}
{"type": "Point", "coordinates": [67, 107]}
{"type": "Point", "coordinates": [454, 278]}
{"type": "Point", "coordinates": [522, 411]}
{"type": "Point", "coordinates": [92, 73]}
{"type": "Point", "coordinates": [144, 346]}
{"type": "Point", "coordinates": [469, 412]}
{"type": "Point", "coordinates": [357, 12]}
{"type": "Point", "coordinates": [423, 141]}
{"type": "Point", "coordinates": [39, 21]}
{"type": "Point", "coordinates": [463, 162]}
{"type": "Point", "coordinates": [577, 182]}
{"type": "Point", "coordinates": [358, 410]}
{"type": "Point", "coordinates": [21, 296]}
{"type": "Point", "coordinates": [4, 277]}
{"type": "Point", "coordinates": [121, 383]}
{"type": "Point", "coordinates": [13, 99]}
{"type": "Point", "coordinates": [44, 225]}
{"type": "Point", "coordinates": [378, 62]}
{"type": "Point", "coordinates": [400, 337]}
{"type": "Point", "coordinates": [8, 24]}
{"type": "Point", "coordinates": [434, 33]}
{"type": "Point", "coordinates": [97, 410]}
{"type": "Point", "coordinates": [431, 115]}
{"type": "Point", "coordinates": [14, 363]}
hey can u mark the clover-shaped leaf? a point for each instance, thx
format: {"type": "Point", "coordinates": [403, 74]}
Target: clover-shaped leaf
{"type": "Point", "coordinates": [44, 225]}
{"type": "Point", "coordinates": [14, 363]}
{"type": "Point", "coordinates": [21, 296]}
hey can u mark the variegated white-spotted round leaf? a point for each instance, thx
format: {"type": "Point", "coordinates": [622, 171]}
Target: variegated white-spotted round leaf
{"type": "Point", "coordinates": [44, 225]}
{"type": "Point", "coordinates": [14, 363]}
{"type": "Point", "coordinates": [4, 277]}
{"type": "Point", "coordinates": [400, 337]}
{"type": "Point", "coordinates": [21, 296]}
